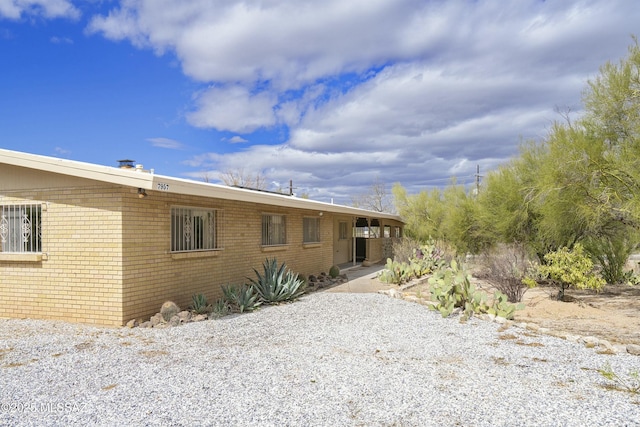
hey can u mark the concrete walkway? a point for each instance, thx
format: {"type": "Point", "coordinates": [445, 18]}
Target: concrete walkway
{"type": "Point", "coordinates": [361, 280]}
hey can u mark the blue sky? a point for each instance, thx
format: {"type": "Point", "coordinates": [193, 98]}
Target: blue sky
{"type": "Point", "coordinates": [334, 95]}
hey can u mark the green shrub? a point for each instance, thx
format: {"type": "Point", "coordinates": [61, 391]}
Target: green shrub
{"type": "Point", "coordinates": [241, 298]}
{"type": "Point", "coordinates": [611, 254]}
{"type": "Point", "coordinates": [277, 284]}
{"type": "Point", "coordinates": [568, 268]}
{"type": "Point", "coordinates": [199, 304]}
{"type": "Point", "coordinates": [334, 271]}
{"type": "Point", "coordinates": [631, 278]}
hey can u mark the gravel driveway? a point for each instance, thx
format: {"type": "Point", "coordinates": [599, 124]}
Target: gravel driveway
{"type": "Point", "coordinates": [327, 360]}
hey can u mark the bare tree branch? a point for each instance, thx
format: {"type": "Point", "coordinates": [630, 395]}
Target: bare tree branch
{"type": "Point", "coordinates": [240, 178]}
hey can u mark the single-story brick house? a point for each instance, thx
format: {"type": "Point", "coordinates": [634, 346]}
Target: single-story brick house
{"type": "Point", "coordinates": [98, 244]}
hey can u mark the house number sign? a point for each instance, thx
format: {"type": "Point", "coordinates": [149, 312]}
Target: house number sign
{"type": "Point", "coordinates": [162, 186]}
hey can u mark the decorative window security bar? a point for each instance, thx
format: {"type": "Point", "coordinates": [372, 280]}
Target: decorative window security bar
{"type": "Point", "coordinates": [194, 229]}
{"type": "Point", "coordinates": [21, 228]}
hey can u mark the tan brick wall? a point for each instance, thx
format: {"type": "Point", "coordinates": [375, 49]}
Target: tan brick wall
{"type": "Point", "coordinates": [79, 278]}
{"type": "Point", "coordinates": [107, 252]}
{"type": "Point", "coordinates": [153, 275]}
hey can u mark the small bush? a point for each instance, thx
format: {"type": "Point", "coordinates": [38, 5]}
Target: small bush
{"type": "Point", "coordinates": [611, 255]}
{"type": "Point", "coordinates": [404, 248]}
{"type": "Point", "coordinates": [568, 268]}
{"type": "Point", "coordinates": [506, 268]}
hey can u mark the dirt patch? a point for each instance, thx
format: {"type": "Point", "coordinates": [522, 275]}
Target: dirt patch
{"type": "Point", "coordinates": [612, 314]}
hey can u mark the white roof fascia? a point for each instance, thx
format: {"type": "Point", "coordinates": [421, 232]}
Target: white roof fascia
{"type": "Point", "coordinates": [149, 181]}
{"type": "Point", "coordinates": [194, 188]}
{"type": "Point", "coordinates": [128, 177]}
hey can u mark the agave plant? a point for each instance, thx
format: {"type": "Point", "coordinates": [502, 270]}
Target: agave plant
{"type": "Point", "coordinates": [277, 284]}
{"type": "Point", "coordinates": [221, 308]}
{"type": "Point", "coordinates": [241, 298]}
{"type": "Point", "coordinates": [199, 304]}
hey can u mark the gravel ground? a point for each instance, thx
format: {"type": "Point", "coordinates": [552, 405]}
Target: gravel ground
{"type": "Point", "coordinates": [328, 359]}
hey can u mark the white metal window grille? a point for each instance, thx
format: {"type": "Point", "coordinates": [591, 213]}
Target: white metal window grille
{"type": "Point", "coordinates": [21, 228]}
{"type": "Point", "coordinates": [194, 229]}
{"type": "Point", "coordinates": [387, 231]}
{"type": "Point", "coordinates": [311, 230]}
{"type": "Point", "coordinates": [274, 230]}
{"type": "Point", "coordinates": [398, 234]}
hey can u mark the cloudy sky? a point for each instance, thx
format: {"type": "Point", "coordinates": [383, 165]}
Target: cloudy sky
{"type": "Point", "coordinates": [333, 94]}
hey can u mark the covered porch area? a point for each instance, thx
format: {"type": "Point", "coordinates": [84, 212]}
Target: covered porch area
{"type": "Point", "coordinates": [366, 241]}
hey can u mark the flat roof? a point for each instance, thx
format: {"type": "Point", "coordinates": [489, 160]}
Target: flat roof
{"type": "Point", "coordinates": [136, 178]}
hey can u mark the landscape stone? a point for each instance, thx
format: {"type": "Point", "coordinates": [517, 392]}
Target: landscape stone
{"type": "Point", "coordinates": [619, 348]}
{"type": "Point", "coordinates": [174, 321]}
{"type": "Point", "coordinates": [633, 349]}
{"type": "Point", "coordinates": [590, 341]}
{"type": "Point", "coordinates": [132, 323]}
{"type": "Point", "coordinates": [185, 316]}
{"type": "Point", "coordinates": [156, 319]}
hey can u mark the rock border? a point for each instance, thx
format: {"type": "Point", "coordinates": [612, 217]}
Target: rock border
{"type": "Point", "coordinates": [601, 345]}
{"type": "Point", "coordinates": [170, 314]}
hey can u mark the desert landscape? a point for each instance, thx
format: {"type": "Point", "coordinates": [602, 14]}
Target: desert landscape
{"type": "Point", "coordinates": [612, 314]}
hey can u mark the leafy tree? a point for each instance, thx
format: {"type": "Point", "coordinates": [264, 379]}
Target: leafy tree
{"type": "Point", "coordinates": [423, 213]}
{"type": "Point", "coordinates": [581, 184]}
{"type": "Point", "coordinates": [509, 203]}
{"type": "Point", "coordinates": [462, 225]}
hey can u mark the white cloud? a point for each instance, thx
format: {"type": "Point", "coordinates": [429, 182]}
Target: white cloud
{"type": "Point", "coordinates": [15, 9]}
{"type": "Point", "coordinates": [410, 90]}
{"type": "Point", "coordinates": [237, 140]}
{"type": "Point", "coordinates": [166, 143]}
{"type": "Point", "coordinates": [233, 108]}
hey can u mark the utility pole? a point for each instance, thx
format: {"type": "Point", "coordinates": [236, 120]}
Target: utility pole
{"type": "Point", "coordinates": [478, 176]}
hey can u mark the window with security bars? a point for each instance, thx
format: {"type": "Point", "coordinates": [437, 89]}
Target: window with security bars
{"type": "Point", "coordinates": [21, 228]}
{"type": "Point", "coordinates": [194, 229]}
{"type": "Point", "coordinates": [310, 230]}
{"type": "Point", "coordinates": [274, 230]}
{"type": "Point", "coordinates": [398, 232]}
